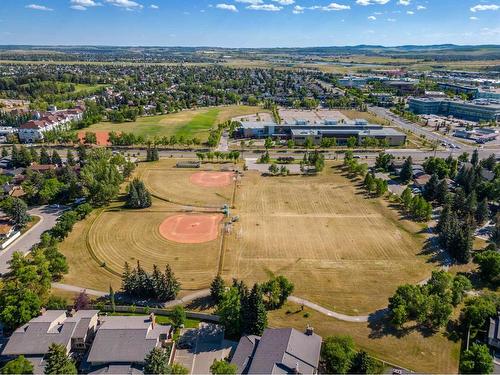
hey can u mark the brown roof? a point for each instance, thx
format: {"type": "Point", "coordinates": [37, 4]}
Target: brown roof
{"type": "Point", "coordinates": [17, 192]}
{"type": "Point", "coordinates": [42, 167]}
{"type": "Point", "coordinates": [5, 228]}
{"type": "Point", "coordinates": [423, 179]}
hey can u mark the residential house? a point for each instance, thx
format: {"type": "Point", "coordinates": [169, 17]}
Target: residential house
{"type": "Point", "coordinates": [494, 332]}
{"type": "Point", "coordinates": [122, 343]}
{"type": "Point", "coordinates": [73, 330]}
{"type": "Point", "coordinates": [279, 351]}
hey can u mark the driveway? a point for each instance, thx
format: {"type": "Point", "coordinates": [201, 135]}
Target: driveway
{"type": "Point", "coordinates": [48, 217]}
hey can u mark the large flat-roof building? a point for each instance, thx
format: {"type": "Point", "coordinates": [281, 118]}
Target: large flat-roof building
{"type": "Point", "coordinates": [341, 131]}
{"type": "Point", "coordinates": [477, 110]}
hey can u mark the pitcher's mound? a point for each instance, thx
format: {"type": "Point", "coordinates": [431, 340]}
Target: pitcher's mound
{"type": "Point", "coordinates": [191, 228]}
{"type": "Point", "coordinates": [212, 179]}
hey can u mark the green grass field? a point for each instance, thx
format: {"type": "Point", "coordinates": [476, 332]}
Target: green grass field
{"type": "Point", "coordinates": [189, 124]}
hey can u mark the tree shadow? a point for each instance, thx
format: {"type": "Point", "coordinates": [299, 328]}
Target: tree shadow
{"type": "Point", "coordinates": [203, 303]}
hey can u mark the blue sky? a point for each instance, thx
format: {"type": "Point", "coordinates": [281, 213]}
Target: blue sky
{"type": "Point", "coordinates": [249, 23]}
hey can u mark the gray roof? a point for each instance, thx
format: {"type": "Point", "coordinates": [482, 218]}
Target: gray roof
{"type": "Point", "coordinates": [125, 339]}
{"type": "Point", "coordinates": [53, 326]}
{"type": "Point", "coordinates": [278, 351]}
{"type": "Point", "coordinates": [116, 369]}
{"type": "Point", "coordinates": [493, 332]}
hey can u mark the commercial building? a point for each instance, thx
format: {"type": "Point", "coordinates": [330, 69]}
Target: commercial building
{"type": "Point", "coordinates": [74, 331]}
{"type": "Point", "coordinates": [458, 88]}
{"type": "Point", "coordinates": [300, 131]}
{"type": "Point", "coordinates": [488, 93]}
{"type": "Point", "coordinates": [477, 110]}
{"type": "Point", "coordinates": [33, 130]}
{"type": "Point", "coordinates": [279, 351]}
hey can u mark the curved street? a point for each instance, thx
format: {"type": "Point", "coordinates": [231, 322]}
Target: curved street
{"type": "Point", "coordinates": [48, 216]}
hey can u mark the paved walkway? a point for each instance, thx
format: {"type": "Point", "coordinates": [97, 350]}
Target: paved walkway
{"type": "Point", "coordinates": [48, 217]}
{"type": "Point", "coordinates": [346, 318]}
{"type": "Point", "coordinates": [97, 293]}
{"type": "Point", "coordinates": [78, 289]}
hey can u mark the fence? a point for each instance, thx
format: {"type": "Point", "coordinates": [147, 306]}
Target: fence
{"type": "Point", "coordinates": [156, 311]}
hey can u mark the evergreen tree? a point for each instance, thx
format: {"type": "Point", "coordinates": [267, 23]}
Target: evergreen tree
{"type": "Point", "coordinates": [217, 289]}
{"type": "Point", "coordinates": [45, 157]}
{"type": "Point", "coordinates": [34, 155]}
{"type": "Point", "coordinates": [70, 158]}
{"type": "Point", "coordinates": [254, 315]}
{"type": "Point", "coordinates": [138, 196]}
{"type": "Point", "coordinates": [156, 362]}
{"type": "Point", "coordinates": [171, 286]}
{"type": "Point", "coordinates": [441, 192]}
{"type": "Point", "coordinates": [14, 155]}
{"type": "Point", "coordinates": [112, 298]}
{"type": "Point", "coordinates": [406, 197]}
{"type": "Point", "coordinates": [229, 311]}
{"type": "Point", "coordinates": [407, 170]}
{"type": "Point", "coordinates": [431, 187]}
{"type": "Point", "coordinates": [482, 212]}
{"type": "Point", "coordinates": [56, 159]}
{"type": "Point", "coordinates": [5, 153]}
{"type": "Point", "coordinates": [474, 158]}
{"type": "Point", "coordinates": [58, 362]}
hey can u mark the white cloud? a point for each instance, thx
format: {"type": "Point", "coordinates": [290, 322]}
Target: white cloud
{"type": "Point", "coordinates": [404, 2]}
{"type": "Point", "coordinates": [391, 20]}
{"type": "Point", "coordinates": [250, 1]}
{"type": "Point", "coordinates": [127, 4]}
{"type": "Point", "coordinates": [39, 7]}
{"type": "Point", "coordinates": [265, 7]}
{"type": "Point", "coordinates": [154, 6]}
{"type": "Point", "coordinates": [482, 7]}
{"type": "Point", "coordinates": [83, 4]}
{"type": "Point", "coordinates": [410, 12]}
{"type": "Point", "coordinates": [285, 2]}
{"type": "Point", "coordinates": [229, 7]}
{"type": "Point", "coordinates": [473, 18]}
{"type": "Point", "coordinates": [372, 18]}
{"type": "Point", "coordinates": [325, 8]}
{"type": "Point", "coordinates": [335, 6]}
{"type": "Point", "coordinates": [421, 7]}
{"type": "Point", "coordinates": [371, 2]}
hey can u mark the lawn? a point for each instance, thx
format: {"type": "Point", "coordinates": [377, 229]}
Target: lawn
{"type": "Point", "coordinates": [188, 124]}
{"type": "Point", "coordinates": [413, 350]}
{"type": "Point", "coordinates": [371, 118]}
{"type": "Point", "coordinates": [115, 235]}
{"type": "Point", "coordinates": [340, 249]}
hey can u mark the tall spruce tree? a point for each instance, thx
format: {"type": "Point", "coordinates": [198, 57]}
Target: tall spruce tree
{"type": "Point", "coordinates": [254, 314]}
{"type": "Point", "coordinates": [407, 170]}
{"type": "Point", "coordinates": [58, 362]}
{"type": "Point", "coordinates": [217, 289]}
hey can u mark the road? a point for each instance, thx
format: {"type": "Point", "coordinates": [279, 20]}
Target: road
{"type": "Point", "coordinates": [417, 129]}
{"type": "Point", "coordinates": [48, 217]}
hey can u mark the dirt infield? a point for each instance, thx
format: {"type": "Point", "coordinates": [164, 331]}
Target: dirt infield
{"type": "Point", "coordinates": [191, 228]}
{"type": "Point", "coordinates": [212, 179]}
{"type": "Point", "coordinates": [102, 137]}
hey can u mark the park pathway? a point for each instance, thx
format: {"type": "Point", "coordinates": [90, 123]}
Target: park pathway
{"type": "Point", "coordinates": [206, 292]}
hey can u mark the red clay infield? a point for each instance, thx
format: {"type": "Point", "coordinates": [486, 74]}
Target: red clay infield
{"type": "Point", "coordinates": [212, 179]}
{"type": "Point", "coordinates": [191, 228]}
{"type": "Point", "coordinates": [102, 137]}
